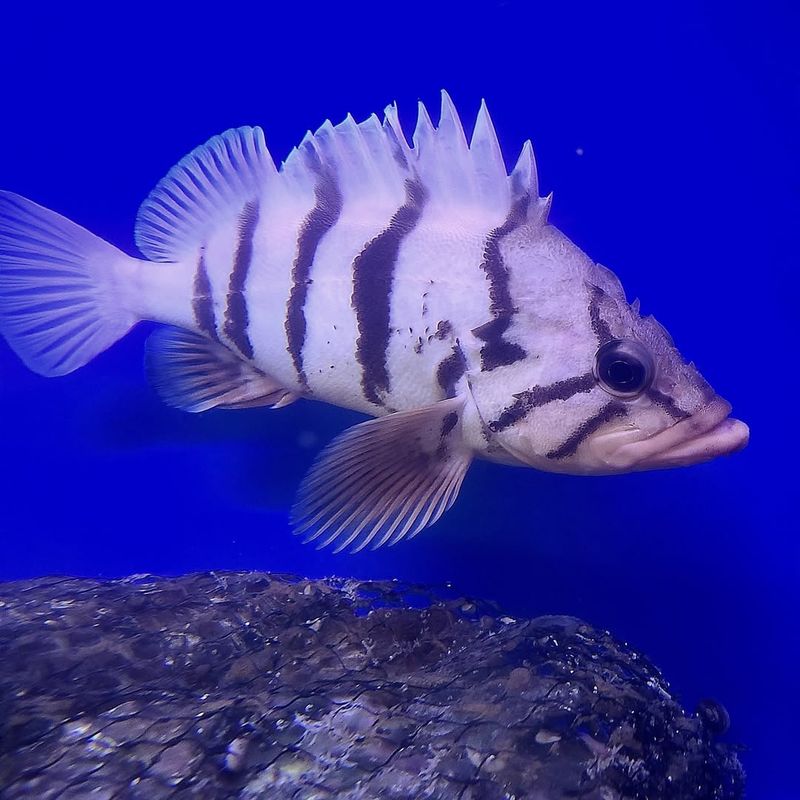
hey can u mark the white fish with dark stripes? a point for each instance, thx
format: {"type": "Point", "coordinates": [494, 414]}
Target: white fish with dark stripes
{"type": "Point", "coordinates": [420, 283]}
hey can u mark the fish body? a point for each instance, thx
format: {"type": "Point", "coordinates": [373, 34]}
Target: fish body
{"type": "Point", "coordinates": [422, 285]}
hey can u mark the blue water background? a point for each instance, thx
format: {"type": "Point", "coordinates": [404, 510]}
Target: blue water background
{"type": "Point", "coordinates": [687, 186]}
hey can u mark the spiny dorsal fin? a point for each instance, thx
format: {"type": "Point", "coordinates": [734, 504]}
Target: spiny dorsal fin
{"type": "Point", "coordinates": [359, 156]}
{"type": "Point", "coordinates": [205, 189]}
{"type": "Point", "coordinates": [372, 162]}
{"type": "Point", "coordinates": [430, 164]}
{"type": "Point", "coordinates": [194, 373]}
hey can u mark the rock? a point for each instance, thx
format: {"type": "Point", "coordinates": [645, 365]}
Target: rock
{"type": "Point", "coordinates": [248, 685]}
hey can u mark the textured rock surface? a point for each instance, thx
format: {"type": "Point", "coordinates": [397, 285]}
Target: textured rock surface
{"type": "Point", "coordinates": [264, 686]}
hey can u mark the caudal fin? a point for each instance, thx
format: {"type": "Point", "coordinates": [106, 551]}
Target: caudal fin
{"type": "Point", "coordinates": [62, 289]}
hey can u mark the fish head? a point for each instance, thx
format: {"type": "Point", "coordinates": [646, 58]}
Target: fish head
{"type": "Point", "coordinates": [601, 389]}
{"type": "Point", "coordinates": [658, 410]}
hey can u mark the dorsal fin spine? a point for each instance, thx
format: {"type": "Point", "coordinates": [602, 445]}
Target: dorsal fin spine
{"type": "Point", "coordinates": [454, 153]}
{"type": "Point", "coordinates": [449, 117]}
{"type": "Point", "coordinates": [490, 171]}
{"type": "Point", "coordinates": [543, 205]}
{"type": "Point", "coordinates": [524, 177]}
{"type": "Point", "coordinates": [423, 133]}
{"type": "Point", "coordinates": [396, 135]}
{"type": "Point", "coordinates": [484, 140]}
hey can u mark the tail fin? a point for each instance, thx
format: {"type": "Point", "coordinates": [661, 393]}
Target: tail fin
{"type": "Point", "coordinates": [62, 289]}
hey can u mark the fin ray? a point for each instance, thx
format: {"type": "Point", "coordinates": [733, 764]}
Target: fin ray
{"type": "Point", "coordinates": [63, 294]}
{"type": "Point", "coordinates": [385, 479]}
{"type": "Point", "coordinates": [196, 374]}
{"type": "Point", "coordinates": [204, 190]}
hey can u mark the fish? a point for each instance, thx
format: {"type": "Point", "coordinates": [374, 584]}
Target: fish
{"type": "Point", "coordinates": [419, 283]}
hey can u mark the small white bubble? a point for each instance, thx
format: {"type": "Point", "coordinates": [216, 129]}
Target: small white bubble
{"type": "Point", "coordinates": [579, 151]}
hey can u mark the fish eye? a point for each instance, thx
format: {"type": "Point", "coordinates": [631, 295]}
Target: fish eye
{"type": "Point", "coordinates": [624, 368]}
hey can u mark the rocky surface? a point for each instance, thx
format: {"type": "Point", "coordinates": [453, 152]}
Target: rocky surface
{"type": "Point", "coordinates": [252, 685]}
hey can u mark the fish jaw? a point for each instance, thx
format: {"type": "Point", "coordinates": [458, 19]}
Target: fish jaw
{"type": "Point", "coordinates": [705, 435]}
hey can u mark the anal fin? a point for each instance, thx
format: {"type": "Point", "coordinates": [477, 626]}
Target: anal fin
{"type": "Point", "coordinates": [386, 479]}
{"type": "Point", "coordinates": [194, 373]}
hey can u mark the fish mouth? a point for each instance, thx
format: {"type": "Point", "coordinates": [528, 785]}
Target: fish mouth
{"type": "Point", "coordinates": [706, 434]}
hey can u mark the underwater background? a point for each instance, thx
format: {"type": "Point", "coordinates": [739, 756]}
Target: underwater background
{"type": "Point", "coordinates": [669, 137]}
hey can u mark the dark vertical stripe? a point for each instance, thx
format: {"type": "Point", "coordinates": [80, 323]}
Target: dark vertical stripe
{"type": "Point", "coordinates": [525, 401]}
{"type": "Point", "coordinates": [397, 150]}
{"type": "Point", "coordinates": [236, 319]}
{"type": "Point", "coordinates": [608, 412]}
{"type": "Point", "coordinates": [599, 325]}
{"type": "Point", "coordinates": [666, 403]}
{"type": "Point", "coordinates": [203, 300]}
{"type": "Point", "coordinates": [497, 351]}
{"type": "Point", "coordinates": [319, 221]}
{"type": "Point", "coordinates": [450, 370]}
{"type": "Point", "coordinates": [373, 275]}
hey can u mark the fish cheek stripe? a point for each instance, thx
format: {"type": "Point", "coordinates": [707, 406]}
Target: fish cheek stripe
{"type": "Point", "coordinates": [570, 445]}
{"type": "Point", "coordinates": [540, 396]}
{"type": "Point", "coordinates": [666, 403]}
{"type": "Point", "coordinates": [560, 390]}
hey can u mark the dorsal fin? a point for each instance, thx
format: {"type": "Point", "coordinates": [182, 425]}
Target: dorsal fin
{"type": "Point", "coordinates": [361, 158]}
{"type": "Point", "coordinates": [206, 188]}
{"type": "Point", "coordinates": [371, 163]}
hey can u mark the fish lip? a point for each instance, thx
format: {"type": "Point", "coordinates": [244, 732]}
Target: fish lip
{"type": "Point", "coordinates": [706, 434]}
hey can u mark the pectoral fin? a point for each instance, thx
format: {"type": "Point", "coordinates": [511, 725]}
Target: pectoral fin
{"type": "Point", "coordinates": [386, 479]}
{"type": "Point", "coordinates": [194, 373]}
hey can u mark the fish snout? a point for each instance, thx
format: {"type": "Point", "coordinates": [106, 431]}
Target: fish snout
{"type": "Point", "coordinates": [706, 434]}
